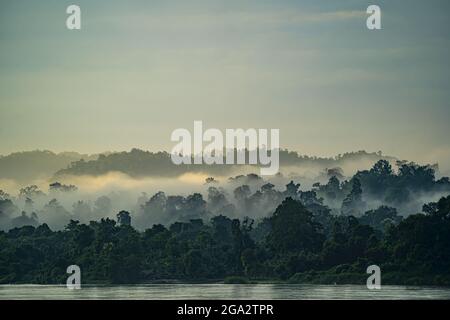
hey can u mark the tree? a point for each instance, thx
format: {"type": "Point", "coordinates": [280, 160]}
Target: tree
{"type": "Point", "coordinates": [102, 206]}
{"type": "Point", "coordinates": [7, 210]}
{"type": "Point", "coordinates": [353, 203]}
{"type": "Point", "coordinates": [241, 193]}
{"type": "Point", "coordinates": [59, 187]}
{"type": "Point", "coordinates": [123, 218]}
{"type": "Point", "coordinates": [292, 189]}
{"type": "Point", "coordinates": [217, 200]}
{"type": "Point", "coordinates": [381, 218]}
{"type": "Point", "coordinates": [440, 209]}
{"type": "Point", "coordinates": [31, 192]}
{"type": "Point", "coordinates": [56, 215]}
{"type": "Point", "coordinates": [382, 168]}
{"type": "Point", "coordinates": [24, 220]}
{"type": "Point", "coordinates": [293, 229]}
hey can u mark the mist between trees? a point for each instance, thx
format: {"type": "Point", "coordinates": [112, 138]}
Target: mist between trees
{"type": "Point", "coordinates": [243, 226]}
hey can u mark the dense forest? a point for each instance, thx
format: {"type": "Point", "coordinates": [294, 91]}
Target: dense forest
{"type": "Point", "coordinates": [328, 234]}
{"type": "Point", "coordinates": [293, 244]}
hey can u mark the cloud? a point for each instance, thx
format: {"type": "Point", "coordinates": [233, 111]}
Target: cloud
{"type": "Point", "coordinates": [229, 19]}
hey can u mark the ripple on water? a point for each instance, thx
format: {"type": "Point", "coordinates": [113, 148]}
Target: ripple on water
{"type": "Point", "coordinates": [221, 291]}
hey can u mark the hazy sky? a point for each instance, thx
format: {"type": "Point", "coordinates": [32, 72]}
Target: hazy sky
{"type": "Point", "coordinates": [140, 69]}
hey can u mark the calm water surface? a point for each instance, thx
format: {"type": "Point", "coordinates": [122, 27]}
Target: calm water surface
{"type": "Point", "coordinates": [222, 291]}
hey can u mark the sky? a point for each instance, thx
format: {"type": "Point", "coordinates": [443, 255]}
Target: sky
{"type": "Point", "coordinates": [137, 70]}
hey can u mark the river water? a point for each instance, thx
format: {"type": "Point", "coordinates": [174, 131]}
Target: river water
{"type": "Point", "coordinates": [221, 291]}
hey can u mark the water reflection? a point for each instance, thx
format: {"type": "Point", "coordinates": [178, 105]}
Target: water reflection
{"type": "Point", "coordinates": [222, 291]}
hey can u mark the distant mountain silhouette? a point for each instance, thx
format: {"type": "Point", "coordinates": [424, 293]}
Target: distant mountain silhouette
{"type": "Point", "coordinates": [30, 165]}
{"type": "Point", "coordinates": [139, 163]}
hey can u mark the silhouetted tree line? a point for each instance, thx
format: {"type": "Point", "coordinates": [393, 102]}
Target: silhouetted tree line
{"type": "Point", "coordinates": [137, 163]}
{"type": "Point", "coordinates": [30, 165]}
{"type": "Point", "coordinates": [323, 235]}
{"type": "Point", "coordinates": [289, 244]}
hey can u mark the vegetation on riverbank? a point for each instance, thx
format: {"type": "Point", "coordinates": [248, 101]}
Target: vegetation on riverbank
{"type": "Point", "coordinates": [301, 241]}
{"type": "Point", "coordinates": [295, 249]}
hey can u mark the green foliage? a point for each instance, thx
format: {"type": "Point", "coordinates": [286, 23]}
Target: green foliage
{"type": "Point", "coordinates": [295, 247]}
{"type": "Point", "coordinates": [382, 184]}
{"type": "Point", "coordinates": [293, 229]}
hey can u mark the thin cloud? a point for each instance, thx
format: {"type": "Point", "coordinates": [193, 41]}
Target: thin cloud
{"type": "Point", "coordinates": [145, 21]}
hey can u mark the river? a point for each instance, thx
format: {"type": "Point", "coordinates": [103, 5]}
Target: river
{"type": "Point", "coordinates": [222, 291]}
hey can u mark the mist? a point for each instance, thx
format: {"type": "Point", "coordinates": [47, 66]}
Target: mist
{"type": "Point", "coordinates": [166, 198]}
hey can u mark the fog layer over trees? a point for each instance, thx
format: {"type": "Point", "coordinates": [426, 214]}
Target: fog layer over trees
{"type": "Point", "coordinates": [404, 188]}
{"type": "Point", "coordinates": [245, 226]}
